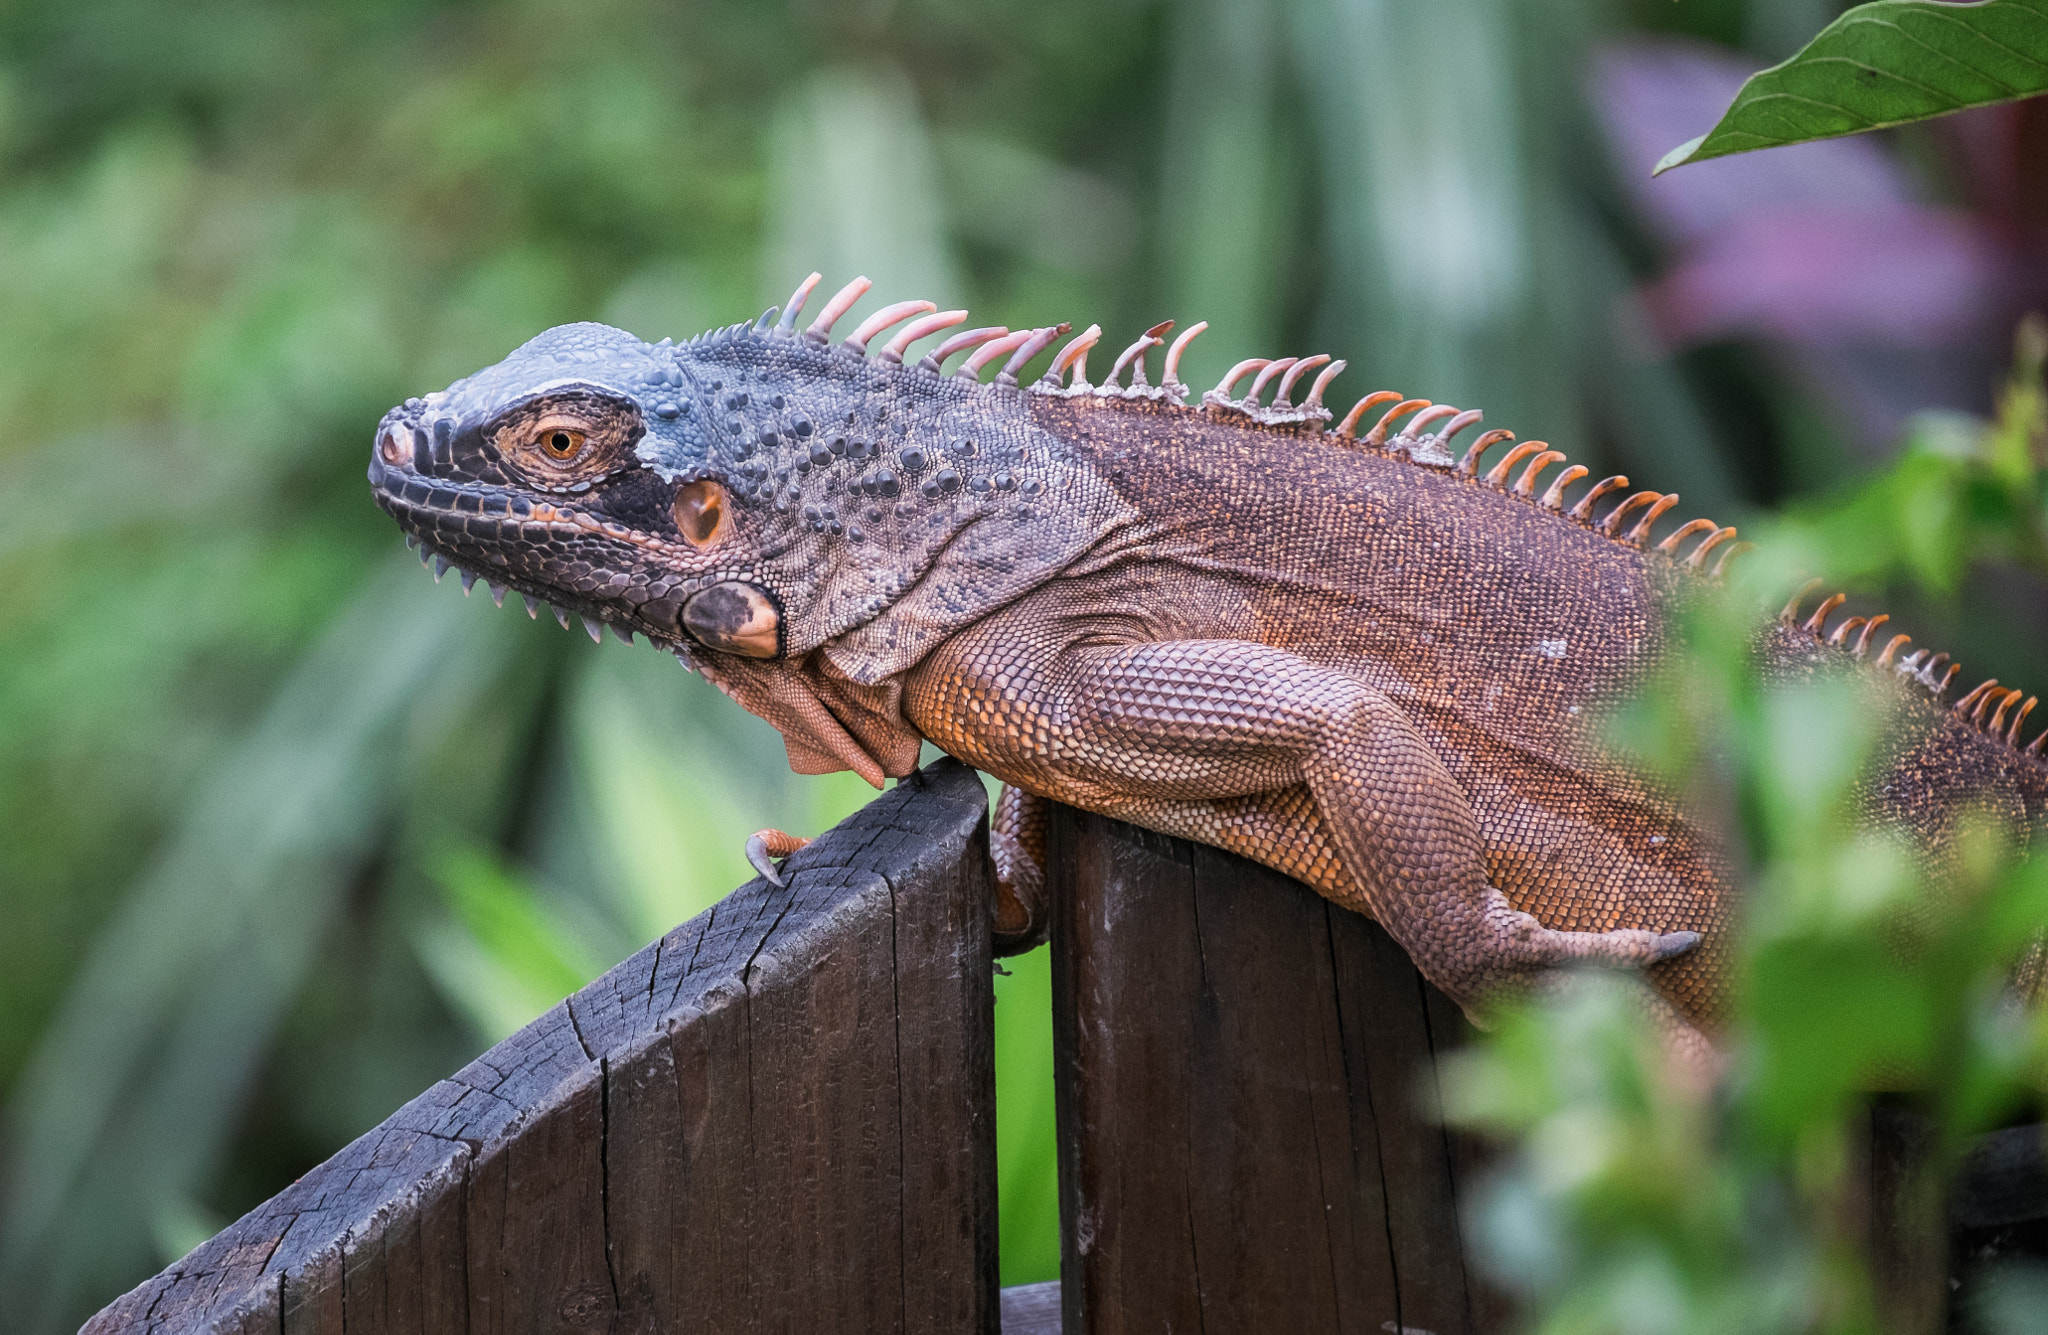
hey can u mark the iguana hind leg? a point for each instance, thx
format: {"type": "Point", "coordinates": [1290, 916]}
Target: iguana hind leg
{"type": "Point", "coordinates": [1016, 841]}
{"type": "Point", "coordinates": [1115, 727]}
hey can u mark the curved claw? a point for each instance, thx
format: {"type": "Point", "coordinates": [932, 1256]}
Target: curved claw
{"type": "Point", "coordinates": [1378, 435]}
{"type": "Point", "coordinates": [936, 358]}
{"type": "Point", "coordinates": [1040, 340]}
{"type": "Point", "coordinates": [1283, 395]}
{"type": "Point", "coordinates": [1235, 374]}
{"type": "Point", "coordinates": [893, 350]}
{"type": "Point", "coordinates": [1721, 535]}
{"type": "Point", "coordinates": [1134, 355]}
{"type": "Point", "coordinates": [1315, 391]}
{"type": "Point", "coordinates": [1349, 425]}
{"type": "Point", "coordinates": [1673, 944]}
{"type": "Point", "coordinates": [989, 351]}
{"type": "Point", "coordinates": [1415, 425]}
{"type": "Point", "coordinates": [1265, 376]}
{"type": "Point", "coordinates": [765, 847]}
{"type": "Point", "coordinates": [1458, 422]}
{"type": "Point", "coordinates": [1074, 355]}
{"type": "Point", "coordinates": [1527, 485]}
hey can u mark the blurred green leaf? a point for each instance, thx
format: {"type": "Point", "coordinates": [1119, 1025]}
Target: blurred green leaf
{"type": "Point", "coordinates": [500, 956]}
{"type": "Point", "coordinates": [1026, 1154]}
{"type": "Point", "coordinates": [1963, 493]}
{"type": "Point", "coordinates": [1636, 1198]}
{"type": "Point", "coordinates": [134, 1089]}
{"type": "Point", "coordinates": [1885, 63]}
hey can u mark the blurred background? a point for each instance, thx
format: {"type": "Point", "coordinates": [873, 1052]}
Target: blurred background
{"type": "Point", "coordinates": [290, 831]}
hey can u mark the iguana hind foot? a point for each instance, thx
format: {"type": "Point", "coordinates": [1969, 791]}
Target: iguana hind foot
{"type": "Point", "coordinates": [1016, 841]}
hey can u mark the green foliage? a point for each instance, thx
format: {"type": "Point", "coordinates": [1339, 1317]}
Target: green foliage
{"type": "Point", "coordinates": [1642, 1196]}
{"type": "Point", "coordinates": [499, 955]}
{"type": "Point", "coordinates": [1026, 1168]}
{"type": "Point", "coordinates": [1890, 62]}
{"type": "Point", "coordinates": [1963, 494]}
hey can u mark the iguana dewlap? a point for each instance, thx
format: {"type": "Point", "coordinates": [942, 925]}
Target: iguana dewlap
{"type": "Point", "coordinates": [1353, 658]}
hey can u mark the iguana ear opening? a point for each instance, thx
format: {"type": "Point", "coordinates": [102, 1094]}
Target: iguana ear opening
{"type": "Point", "coordinates": [701, 512]}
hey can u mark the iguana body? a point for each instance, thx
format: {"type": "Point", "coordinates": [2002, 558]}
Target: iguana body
{"type": "Point", "coordinates": [1345, 657]}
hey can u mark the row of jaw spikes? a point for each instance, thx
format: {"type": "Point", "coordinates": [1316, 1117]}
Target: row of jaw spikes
{"type": "Point", "coordinates": [441, 565]}
{"type": "Point", "coordinates": [1067, 376]}
{"type": "Point", "coordinates": [1985, 707]}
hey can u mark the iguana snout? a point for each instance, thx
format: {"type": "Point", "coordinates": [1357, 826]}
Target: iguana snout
{"type": "Point", "coordinates": [571, 473]}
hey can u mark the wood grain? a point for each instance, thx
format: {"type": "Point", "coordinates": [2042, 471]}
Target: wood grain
{"type": "Point", "coordinates": [1239, 1085]}
{"type": "Point", "coordinates": [780, 1116]}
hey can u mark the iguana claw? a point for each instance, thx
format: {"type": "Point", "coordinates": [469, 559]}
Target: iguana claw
{"type": "Point", "coordinates": [1673, 944]}
{"type": "Point", "coordinates": [766, 847]}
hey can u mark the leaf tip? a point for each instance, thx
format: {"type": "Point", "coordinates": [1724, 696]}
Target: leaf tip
{"type": "Point", "coordinates": [1678, 156]}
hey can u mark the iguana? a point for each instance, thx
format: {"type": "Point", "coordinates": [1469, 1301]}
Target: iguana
{"type": "Point", "coordinates": [1340, 649]}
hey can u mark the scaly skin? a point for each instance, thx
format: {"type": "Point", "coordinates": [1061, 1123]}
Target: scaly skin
{"type": "Point", "coordinates": [1353, 662]}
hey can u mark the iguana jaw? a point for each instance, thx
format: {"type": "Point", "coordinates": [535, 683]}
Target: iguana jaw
{"type": "Point", "coordinates": [597, 552]}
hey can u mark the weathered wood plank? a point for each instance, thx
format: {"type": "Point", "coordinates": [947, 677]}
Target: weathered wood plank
{"type": "Point", "coordinates": [1238, 1065]}
{"type": "Point", "coordinates": [1032, 1309]}
{"type": "Point", "coordinates": [779, 1116]}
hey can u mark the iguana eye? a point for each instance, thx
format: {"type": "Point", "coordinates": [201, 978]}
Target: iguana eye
{"type": "Point", "coordinates": [567, 436]}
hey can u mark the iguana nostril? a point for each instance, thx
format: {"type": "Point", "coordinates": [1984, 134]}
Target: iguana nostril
{"type": "Point", "coordinates": [395, 449]}
{"type": "Point", "coordinates": [736, 618]}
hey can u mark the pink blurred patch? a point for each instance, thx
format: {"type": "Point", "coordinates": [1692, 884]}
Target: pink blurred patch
{"type": "Point", "coordinates": [1818, 244]}
{"type": "Point", "coordinates": [1652, 95]}
{"type": "Point", "coordinates": [1900, 275]}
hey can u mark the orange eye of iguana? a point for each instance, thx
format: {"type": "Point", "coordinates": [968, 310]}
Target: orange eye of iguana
{"type": "Point", "coordinates": [562, 444]}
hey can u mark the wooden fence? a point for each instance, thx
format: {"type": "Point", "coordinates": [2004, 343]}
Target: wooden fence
{"type": "Point", "coordinates": [780, 1117]}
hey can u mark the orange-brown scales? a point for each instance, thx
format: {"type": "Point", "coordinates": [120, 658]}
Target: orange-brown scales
{"type": "Point", "coordinates": [1344, 651]}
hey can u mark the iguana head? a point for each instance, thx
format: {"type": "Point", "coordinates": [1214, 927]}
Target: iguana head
{"type": "Point", "coordinates": [580, 471]}
{"type": "Point", "coordinates": [757, 492]}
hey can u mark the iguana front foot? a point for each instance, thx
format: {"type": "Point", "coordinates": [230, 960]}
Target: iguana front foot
{"type": "Point", "coordinates": [765, 848]}
{"type": "Point", "coordinates": [1016, 842]}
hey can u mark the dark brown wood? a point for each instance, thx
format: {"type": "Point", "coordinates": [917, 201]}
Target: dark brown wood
{"type": "Point", "coordinates": [778, 1117]}
{"type": "Point", "coordinates": [1998, 1216]}
{"type": "Point", "coordinates": [781, 1116]}
{"type": "Point", "coordinates": [1907, 1250]}
{"type": "Point", "coordinates": [1240, 1069]}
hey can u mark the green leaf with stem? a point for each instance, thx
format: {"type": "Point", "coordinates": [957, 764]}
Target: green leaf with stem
{"type": "Point", "coordinates": [1887, 63]}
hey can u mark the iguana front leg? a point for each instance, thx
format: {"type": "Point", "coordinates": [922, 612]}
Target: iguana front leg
{"type": "Point", "coordinates": [1118, 728]}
